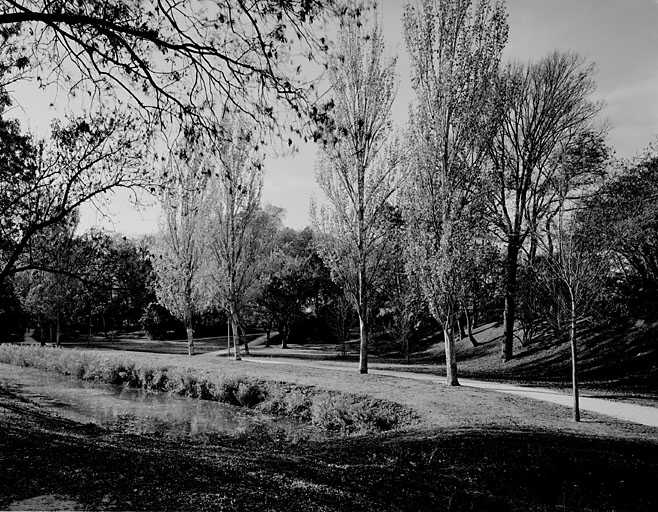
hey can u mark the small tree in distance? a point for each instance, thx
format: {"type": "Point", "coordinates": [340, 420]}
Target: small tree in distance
{"type": "Point", "coordinates": [239, 233]}
{"type": "Point", "coordinates": [574, 274]}
{"type": "Point", "coordinates": [178, 262]}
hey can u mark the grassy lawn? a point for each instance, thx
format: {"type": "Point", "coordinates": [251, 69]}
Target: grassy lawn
{"type": "Point", "coordinates": [438, 406]}
{"type": "Point", "coordinates": [133, 343]}
{"type": "Point", "coordinates": [458, 469]}
{"type": "Point", "coordinates": [472, 450]}
{"type": "Point", "coordinates": [618, 362]}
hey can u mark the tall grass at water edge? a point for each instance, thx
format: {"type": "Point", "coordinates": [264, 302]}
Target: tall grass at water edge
{"type": "Point", "coordinates": [336, 412]}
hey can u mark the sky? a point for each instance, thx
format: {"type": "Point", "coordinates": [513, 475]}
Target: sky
{"type": "Point", "coordinates": [619, 36]}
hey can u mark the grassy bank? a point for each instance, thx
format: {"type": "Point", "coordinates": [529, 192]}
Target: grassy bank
{"type": "Point", "coordinates": [445, 469]}
{"type": "Point", "coordinates": [617, 357]}
{"type": "Point", "coordinates": [336, 412]}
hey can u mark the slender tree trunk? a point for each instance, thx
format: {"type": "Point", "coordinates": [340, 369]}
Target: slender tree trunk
{"type": "Point", "coordinates": [511, 267]}
{"type": "Point", "coordinates": [285, 334]}
{"type": "Point", "coordinates": [236, 336]}
{"type": "Point", "coordinates": [363, 348]}
{"type": "Point", "coordinates": [244, 339]}
{"type": "Point", "coordinates": [89, 336]}
{"type": "Point", "coordinates": [267, 335]}
{"type": "Point", "coordinates": [363, 317]}
{"type": "Point", "coordinates": [405, 341]}
{"type": "Point", "coordinates": [190, 338]}
{"type": "Point", "coordinates": [451, 359]}
{"type": "Point", "coordinates": [362, 277]}
{"type": "Point", "coordinates": [549, 237]}
{"type": "Point", "coordinates": [460, 328]}
{"type": "Point", "coordinates": [534, 243]}
{"type": "Point", "coordinates": [50, 332]}
{"type": "Point", "coordinates": [228, 336]}
{"type": "Point", "coordinates": [469, 328]}
{"type": "Point", "coordinates": [574, 361]}
{"type": "Point", "coordinates": [58, 334]}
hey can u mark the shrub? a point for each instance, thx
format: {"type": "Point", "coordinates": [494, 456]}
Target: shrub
{"type": "Point", "coordinates": [343, 413]}
{"type": "Point", "coordinates": [224, 391]}
{"type": "Point", "coordinates": [250, 394]}
{"type": "Point", "coordinates": [291, 401]}
{"type": "Point", "coordinates": [334, 413]}
{"type": "Point", "coordinates": [159, 380]}
{"type": "Point", "coordinates": [13, 319]}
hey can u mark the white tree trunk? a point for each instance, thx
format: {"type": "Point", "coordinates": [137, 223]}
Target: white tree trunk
{"type": "Point", "coordinates": [363, 348]}
{"type": "Point", "coordinates": [363, 314]}
{"type": "Point", "coordinates": [451, 359]}
{"type": "Point", "coordinates": [190, 340]}
{"type": "Point", "coordinates": [243, 338]}
{"type": "Point", "coordinates": [228, 337]}
{"type": "Point", "coordinates": [469, 328]}
{"type": "Point", "coordinates": [236, 341]}
{"type": "Point", "coordinates": [574, 362]}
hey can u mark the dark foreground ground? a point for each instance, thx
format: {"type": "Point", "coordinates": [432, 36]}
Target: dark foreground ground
{"type": "Point", "coordinates": [463, 470]}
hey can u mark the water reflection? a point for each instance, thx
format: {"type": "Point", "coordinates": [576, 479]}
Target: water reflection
{"type": "Point", "coordinates": [132, 410]}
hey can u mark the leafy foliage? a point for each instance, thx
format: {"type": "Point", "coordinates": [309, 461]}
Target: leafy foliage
{"type": "Point", "coordinates": [297, 285]}
{"type": "Point", "coordinates": [12, 315]}
{"type": "Point", "coordinates": [545, 141]}
{"type": "Point", "coordinates": [177, 61]}
{"type": "Point", "coordinates": [240, 234]}
{"type": "Point", "coordinates": [358, 168]}
{"type": "Point", "coordinates": [623, 215]}
{"type": "Point", "coordinates": [157, 321]}
{"type": "Point", "coordinates": [43, 183]}
{"type": "Point", "coordinates": [455, 50]}
{"type": "Point", "coordinates": [179, 257]}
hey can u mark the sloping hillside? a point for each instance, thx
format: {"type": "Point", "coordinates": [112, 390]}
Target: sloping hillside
{"type": "Point", "coordinates": [608, 357]}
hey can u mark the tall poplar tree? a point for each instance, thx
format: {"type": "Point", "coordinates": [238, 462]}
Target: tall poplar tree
{"type": "Point", "coordinates": [179, 258]}
{"type": "Point", "coordinates": [237, 230]}
{"type": "Point", "coordinates": [357, 168]}
{"type": "Point", "coordinates": [455, 48]}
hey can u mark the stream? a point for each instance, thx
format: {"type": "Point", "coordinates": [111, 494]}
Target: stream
{"type": "Point", "coordinates": [131, 410]}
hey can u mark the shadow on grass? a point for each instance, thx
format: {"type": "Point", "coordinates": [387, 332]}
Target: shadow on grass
{"type": "Point", "coordinates": [484, 469]}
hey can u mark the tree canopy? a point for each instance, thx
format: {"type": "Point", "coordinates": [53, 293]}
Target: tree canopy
{"type": "Point", "coordinates": [183, 61]}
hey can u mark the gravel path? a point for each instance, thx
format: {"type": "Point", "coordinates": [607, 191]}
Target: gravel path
{"type": "Point", "coordinates": [641, 414]}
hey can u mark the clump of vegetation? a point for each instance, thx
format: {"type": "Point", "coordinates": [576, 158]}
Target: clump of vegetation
{"type": "Point", "coordinates": [340, 413]}
{"type": "Point", "coordinates": [291, 401]}
{"type": "Point", "coordinates": [347, 414]}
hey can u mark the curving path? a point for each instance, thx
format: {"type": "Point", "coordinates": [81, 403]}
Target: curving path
{"type": "Point", "coordinates": [641, 414]}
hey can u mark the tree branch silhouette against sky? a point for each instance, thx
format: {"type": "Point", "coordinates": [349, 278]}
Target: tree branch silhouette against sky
{"type": "Point", "coordinates": [620, 37]}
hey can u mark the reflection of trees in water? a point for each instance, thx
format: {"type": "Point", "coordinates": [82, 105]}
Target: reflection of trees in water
{"type": "Point", "coordinates": [130, 410]}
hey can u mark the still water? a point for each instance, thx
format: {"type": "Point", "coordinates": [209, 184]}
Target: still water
{"type": "Point", "coordinates": [132, 410]}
